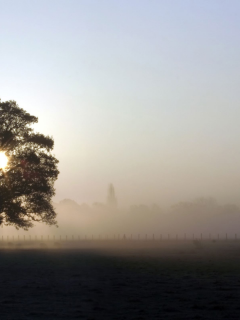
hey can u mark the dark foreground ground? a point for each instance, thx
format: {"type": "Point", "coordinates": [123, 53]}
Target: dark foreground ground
{"type": "Point", "coordinates": [127, 280]}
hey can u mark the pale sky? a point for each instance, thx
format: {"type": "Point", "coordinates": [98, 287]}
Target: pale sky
{"type": "Point", "coordinates": [143, 94]}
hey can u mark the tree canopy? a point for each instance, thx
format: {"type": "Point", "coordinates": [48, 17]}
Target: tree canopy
{"type": "Point", "coordinates": [27, 182]}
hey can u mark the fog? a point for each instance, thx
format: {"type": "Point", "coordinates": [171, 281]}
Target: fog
{"type": "Point", "coordinates": [141, 93]}
{"type": "Point", "coordinates": [197, 218]}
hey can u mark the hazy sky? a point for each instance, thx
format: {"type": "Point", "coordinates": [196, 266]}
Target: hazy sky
{"type": "Point", "coordinates": [143, 94]}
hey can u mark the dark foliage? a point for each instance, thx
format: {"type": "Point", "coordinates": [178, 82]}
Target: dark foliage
{"type": "Point", "coordinates": [27, 183]}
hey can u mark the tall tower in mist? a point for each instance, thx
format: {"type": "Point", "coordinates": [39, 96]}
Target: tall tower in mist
{"type": "Point", "coordinates": [111, 198]}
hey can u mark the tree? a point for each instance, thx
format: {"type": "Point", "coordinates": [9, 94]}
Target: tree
{"type": "Point", "coordinates": [111, 198]}
{"type": "Point", "coordinates": [27, 182]}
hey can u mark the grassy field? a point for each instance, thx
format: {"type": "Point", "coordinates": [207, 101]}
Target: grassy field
{"type": "Point", "coordinates": [120, 280]}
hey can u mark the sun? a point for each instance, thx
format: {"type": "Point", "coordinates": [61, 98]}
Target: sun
{"type": "Point", "coordinates": [3, 160]}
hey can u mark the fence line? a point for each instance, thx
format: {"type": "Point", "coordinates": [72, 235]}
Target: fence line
{"type": "Point", "coordinates": [119, 237]}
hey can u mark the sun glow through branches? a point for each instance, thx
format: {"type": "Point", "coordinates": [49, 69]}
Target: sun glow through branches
{"type": "Point", "coordinates": [3, 160]}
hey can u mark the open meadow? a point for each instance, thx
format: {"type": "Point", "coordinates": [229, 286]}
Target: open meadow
{"type": "Point", "coordinates": [122, 279]}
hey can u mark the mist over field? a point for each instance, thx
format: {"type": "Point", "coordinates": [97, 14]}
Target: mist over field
{"type": "Point", "coordinates": [202, 217]}
{"type": "Point", "coordinates": [119, 120]}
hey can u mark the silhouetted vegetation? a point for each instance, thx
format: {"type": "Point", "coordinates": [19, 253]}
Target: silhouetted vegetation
{"type": "Point", "coordinates": [111, 198]}
{"type": "Point", "coordinates": [205, 206]}
{"type": "Point", "coordinates": [27, 183]}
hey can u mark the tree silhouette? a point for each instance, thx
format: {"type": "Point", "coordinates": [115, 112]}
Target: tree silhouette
{"type": "Point", "coordinates": [111, 198]}
{"type": "Point", "coordinates": [27, 182]}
